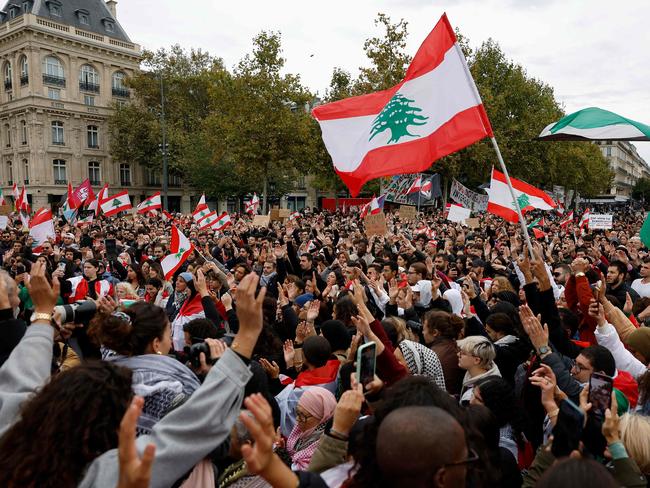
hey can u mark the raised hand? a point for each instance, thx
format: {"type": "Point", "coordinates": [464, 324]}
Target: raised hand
{"type": "Point", "coordinates": [43, 295]}
{"type": "Point", "coordinates": [289, 353]}
{"type": "Point", "coordinates": [135, 471]}
{"type": "Point", "coordinates": [313, 311]}
{"type": "Point", "coordinates": [347, 410]}
{"type": "Point", "coordinates": [271, 368]}
{"type": "Point", "coordinates": [200, 283]}
{"type": "Point", "coordinates": [538, 335]}
{"type": "Point", "coordinates": [249, 314]}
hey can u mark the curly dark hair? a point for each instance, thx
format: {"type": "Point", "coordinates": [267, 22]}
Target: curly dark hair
{"type": "Point", "coordinates": [72, 420]}
{"type": "Point", "coordinates": [448, 325]}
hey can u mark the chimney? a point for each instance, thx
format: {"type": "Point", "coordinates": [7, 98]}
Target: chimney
{"type": "Point", "coordinates": [112, 7]}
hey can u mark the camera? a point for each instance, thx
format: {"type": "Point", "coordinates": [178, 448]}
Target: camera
{"type": "Point", "coordinates": [79, 312]}
{"type": "Point", "coordinates": [194, 351]}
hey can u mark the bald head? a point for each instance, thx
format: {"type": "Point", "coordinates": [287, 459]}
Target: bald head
{"type": "Point", "coordinates": [413, 445]}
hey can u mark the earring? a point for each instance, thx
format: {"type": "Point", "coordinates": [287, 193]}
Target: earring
{"type": "Point", "coordinates": [158, 352]}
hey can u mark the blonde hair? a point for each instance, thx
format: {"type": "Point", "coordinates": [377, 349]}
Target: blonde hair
{"type": "Point", "coordinates": [635, 435]}
{"type": "Point", "coordinates": [479, 347]}
{"type": "Point", "coordinates": [128, 289]}
{"type": "Point", "coordinates": [504, 283]}
{"type": "Point", "coordinates": [403, 332]}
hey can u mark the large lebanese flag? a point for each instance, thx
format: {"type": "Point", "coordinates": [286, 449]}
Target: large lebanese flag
{"type": "Point", "coordinates": [500, 200]}
{"type": "Point", "coordinates": [367, 136]}
{"type": "Point", "coordinates": [151, 203]}
{"type": "Point", "coordinates": [41, 228]}
{"type": "Point", "coordinates": [115, 204]}
{"type": "Point", "coordinates": [180, 249]}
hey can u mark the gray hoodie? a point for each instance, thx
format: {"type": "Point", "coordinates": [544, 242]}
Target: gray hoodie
{"type": "Point", "coordinates": [182, 438]}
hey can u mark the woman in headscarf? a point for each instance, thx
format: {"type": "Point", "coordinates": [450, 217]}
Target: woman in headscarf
{"type": "Point", "coordinates": [420, 360]}
{"type": "Point", "coordinates": [191, 308]}
{"type": "Point", "coordinates": [315, 408]}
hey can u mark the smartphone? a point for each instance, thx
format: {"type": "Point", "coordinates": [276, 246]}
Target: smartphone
{"type": "Point", "coordinates": [595, 288]}
{"type": "Point", "coordinates": [111, 249]}
{"type": "Point", "coordinates": [600, 395]}
{"type": "Point", "coordinates": [366, 362]}
{"type": "Point", "coordinates": [568, 429]}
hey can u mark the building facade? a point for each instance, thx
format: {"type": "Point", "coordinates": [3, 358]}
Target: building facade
{"type": "Point", "coordinates": [626, 164]}
{"type": "Point", "coordinates": [64, 66]}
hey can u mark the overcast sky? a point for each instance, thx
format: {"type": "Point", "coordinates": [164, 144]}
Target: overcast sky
{"type": "Point", "coordinates": [592, 52]}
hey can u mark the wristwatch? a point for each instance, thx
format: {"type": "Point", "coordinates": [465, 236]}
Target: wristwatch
{"type": "Point", "coordinates": [544, 350]}
{"type": "Point", "coordinates": [41, 316]}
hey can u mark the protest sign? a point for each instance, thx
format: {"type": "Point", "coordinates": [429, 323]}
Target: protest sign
{"type": "Point", "coordinates": [6, 209]}
{"type": "Point", "coordinates": [275, 214]}
{"type": "Point", "coordinates": [375, 224]}
{"type": "Point", "coordinates": [407, 212]}
{"type": "Point", "coordinates": [284, 213]}
{"type": "Point", "coordinates": [468, 198]}
{"type": "Point", "coordinates": [396, 190]}
{"type": "Point", "coordinates": [472, 223]}
{"type": "Point", "coordinates": [4, 220]}
{"type": "Point", "coordinates": [261, 221]}
{"type": "Point", "coordinates": [458, 214]}
{"type": "Point", "coordinates": [600, 221]}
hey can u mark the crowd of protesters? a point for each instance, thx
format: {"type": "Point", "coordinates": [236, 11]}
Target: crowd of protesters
{"type": "Point", "coordinates": [240, 369]}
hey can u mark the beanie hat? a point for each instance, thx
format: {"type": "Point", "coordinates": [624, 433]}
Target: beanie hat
{"type": "Point", "coordinates": [639, 340]}
{"type": "Point", "coordinates": [187, 277]}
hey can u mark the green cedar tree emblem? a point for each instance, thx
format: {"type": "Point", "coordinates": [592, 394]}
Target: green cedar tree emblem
{"type": "Point", "coordinates": [397, 115]}
{"type": "Point", "coordinates": [523, 201]}
{"type": "Point", "coordinates": [116, 203]}
{"type": "Point", "coordinates": [180, 252]}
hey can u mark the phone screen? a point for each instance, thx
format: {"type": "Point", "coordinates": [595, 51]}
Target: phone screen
{"type": "Point", "coordinates": [111, 248]}
{"type": "Point", "coordinates": [366, 358]}
{"type": "Point", "coordinates": [600, 395]}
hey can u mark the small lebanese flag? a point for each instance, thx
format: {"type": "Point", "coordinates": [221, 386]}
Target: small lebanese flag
{"type": "Point", "coordinates": [41, 229]}
{"type": "Point", "coordinates": [15, 192]}
{"type": "Point", "coordinates": [180, 249]}
{"type": "Point", "coordinates": [222, 222]}
{"type": "Point", "coordinates": [584, 220]}
{"type": "Point", "coordinates": [151, 203]}
{"type": "Point", "coordinates": [201, 205]}
{"type": "Point", "coordinates": [295, 215]}
{"type": "Point", "coordinates": [200, 214]}
{"type": "Point", "coordinates": [116, 204]}
{"type": "Point", "coordinates": [101, 196]}
{"type": "Point", "coordinates": [567, 220]}
{"type": "Point", "coordinates": [22, 204]}
{"type": "Point", "coordinates": [85, 221]}
{"type": "Point", "coordinates": [208, 220]}
{"type": "Point", "coordinates": [434, 111]}
{"type": "Point", "coordinates": [500, 200]}
{"type": "Point", "coordinates": [251, 206]}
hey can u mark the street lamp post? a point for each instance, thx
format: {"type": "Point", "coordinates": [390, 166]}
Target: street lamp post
{"type": "Point", "coordinates": [165, 182]}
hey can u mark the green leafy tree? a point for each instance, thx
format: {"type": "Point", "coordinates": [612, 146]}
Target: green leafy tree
{"type": "Point", "coordinates": [641, 190]}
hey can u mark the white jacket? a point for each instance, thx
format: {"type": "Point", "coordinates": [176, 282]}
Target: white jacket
{"type": "Point", "coordinates": [608, 337]}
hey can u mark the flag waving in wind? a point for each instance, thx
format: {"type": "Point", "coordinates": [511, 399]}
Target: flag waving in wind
{"type": "Point", "coordinates": [500, 199]}
{"type": "Point", "coordinates": [180, 249]}
{"type": "Point", "coordinates": [41, 228]}
{"type": "Point", "coordinates": [116, 204]}
{"type": "Point", "coordinates": [151, 203]}
{"type": "Point", "coordinates": [434, 111]}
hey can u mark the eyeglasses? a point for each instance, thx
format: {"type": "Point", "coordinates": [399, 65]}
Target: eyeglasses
{"type": "Point", "coordinates": [578, 367]}
{"type": "Point", "coordinates": [303, 417]}
{"type": "Point", "coordinates": [472, 457]}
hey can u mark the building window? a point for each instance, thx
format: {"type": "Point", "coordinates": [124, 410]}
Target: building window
{"type": "Point", "coordinates": [12, 13]}
{"type": "Point", "coordinates": [119, 85]}
{"type": "Point", "coordinates": [23, 132]}
{"type": "Point", "coordinates": [84, 19]}
{"type": "Point", "coordinates": [89, 79]}
{"type": "Point", "coordinates": [94, 174]}
{"type": "Point", "coordinates": [10, 173]}
{"type": "Point", "coordinates": [8, 135]}
{"type": "Point", "coordinates": [93, 137]}
{"type": "Point", "coordinates": [109, 26]}
{"type": "Point", "coordinates": [53, 73]}
{"type": "Point", "coordinates": [153, 177]}
{"type": "Point", "coordinates": [24, 71]}
{"type": "Point", "coordinates": [55, 9]}
{"type": "Point", "coordinates": [608, 151]}
{"type": "Point", "coordinates": [26, 7]}
{"type": "Point", "coordinates": [89, 100]}
{"type": "Point", "coordinates": [57, 133]}
{"type": "Point", "coordinates": [59, 172]}
{"type": "Point", "coordinates": [26, 171]}
{"type": "Point", "coordinates": [54, 94]}
{"type": "Point", "coordinates": [125, 174]}
{"type": "Point", "coordinates": [7, 74]}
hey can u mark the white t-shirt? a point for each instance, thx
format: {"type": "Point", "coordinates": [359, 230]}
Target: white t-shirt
{"type": "Point", "coordinates": [643, 289]}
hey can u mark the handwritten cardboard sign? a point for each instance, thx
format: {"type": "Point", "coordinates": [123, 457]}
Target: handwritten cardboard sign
{"type": "Point", "coordinates": [376, 224]}
{"type": "Point", "coordinates": [5, 209]}
{"type": "Point", "coordinates": [284, 213]}
{"type": "Point", "coordinates": [261, 221]}
{"type": "Point", "coordinates": [407, 212]}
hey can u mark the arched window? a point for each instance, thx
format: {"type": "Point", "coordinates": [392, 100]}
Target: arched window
{"type": "Point", "coordinates": [26, 171]}
{"type": "Point", "coordinates": [7, 74]}
{"type": "Point", "coordinates": [94, 173]}
{"type": "Point", "coordinates": [93, 136]}
{"type": "Point", "coordinates": [89, 79]}
{"type": "Point", "coordinates": [53, 73]}
{"type": "Point", "coordinates": [57, 133]}
{"type": "Point", "coordinates": [119, 85]}
{"type": "Point", "coordinates": [24, 70]}
{"type": "Point", "coordinates": [58, 166]}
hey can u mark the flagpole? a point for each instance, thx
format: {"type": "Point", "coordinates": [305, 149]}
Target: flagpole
{"type": "Point", "coordinates": [522, 222]}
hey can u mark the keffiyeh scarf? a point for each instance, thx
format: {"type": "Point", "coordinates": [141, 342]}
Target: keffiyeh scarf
{"type": "Point", "coordinates": [423, 361]}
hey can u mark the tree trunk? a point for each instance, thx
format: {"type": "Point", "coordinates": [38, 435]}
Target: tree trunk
{"type": "Point", "coordinates": [265, 194]}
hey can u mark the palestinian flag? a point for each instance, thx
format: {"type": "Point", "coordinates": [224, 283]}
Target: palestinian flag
{"type": "Point", "coordinates": [434, 111]}
{"type": "Point", "coordinates": [149, 204]}
{"type": "Point", "coordinates": [3, 201]}
{"type": "Point", "coordinates": [180, 249]}
{"type": "Point", "coordinates": [567, 220]}
{"type": "Point", "coordinates": [41, 229]}
{"type": "Point", "coordinates": [116, 204]}
{"type": "Point", "coordinates": [539, 234]}
{"type": "Point", "coordinates": [540, 222]}
{"type": "Point", "coordinates": [644, 233]}
{"type": "Point", "coordinates": [222, 222]}
{"type": "Point", "coordinates": [500, 199]}
{"type": "Point", "coordinates": [595, 124]}
{"type": "Point", "coordinates": [85, 220]}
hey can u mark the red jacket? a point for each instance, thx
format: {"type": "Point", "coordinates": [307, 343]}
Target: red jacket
{"type": "Point", "coordinates": [628, 386]}
{"type": "Point", "coordinates": [578, 296]}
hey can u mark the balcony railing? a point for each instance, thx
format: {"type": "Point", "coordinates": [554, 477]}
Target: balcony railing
{"type": "Point", "coordinates": [121, 92]}
{"type": "Point", "coordinates": [60, 182]}
{"type": "Point", "coordinates": [58, 143]}
{"type": "Point", "coordinates": [89, 87]}
{"type": "Point", "coordinates": [93, 146]}
{"type": "Point", "coordinates": [24, 80]}
{"type": "Point", "coordinates": [125, 183]}
{"type": "Point", "coordinates": [7, 84]}
{"type": "Point", "coordinates": [54, 80]}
